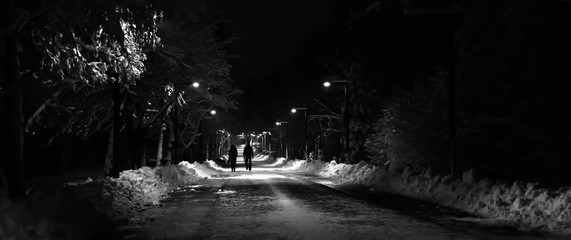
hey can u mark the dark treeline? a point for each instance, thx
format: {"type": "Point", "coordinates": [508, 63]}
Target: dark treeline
{"type": "Point", "coordinates": [106, 84]}
{"type": "Point", "coordinates": [492, 74]}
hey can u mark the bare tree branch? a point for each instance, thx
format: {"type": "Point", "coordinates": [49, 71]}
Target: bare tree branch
{"type": "Point", "coordinates": [327, 109]}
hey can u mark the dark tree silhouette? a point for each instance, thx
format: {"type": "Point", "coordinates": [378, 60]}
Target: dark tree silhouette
{"type": "Point", "coordinates": [100, 67]}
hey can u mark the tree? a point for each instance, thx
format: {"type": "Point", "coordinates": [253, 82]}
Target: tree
{"type": "Point", "coordinates": [103, 68]}
{"type": "Point", "coordinates": [86, 48]}
{"type": "Point", "coordinates": [190, 53]}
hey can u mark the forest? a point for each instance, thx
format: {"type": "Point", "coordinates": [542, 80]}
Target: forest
{"type": "Point", "coordinates": [446, 85]}
{"type": "Point", "coordinates": [453, 85]}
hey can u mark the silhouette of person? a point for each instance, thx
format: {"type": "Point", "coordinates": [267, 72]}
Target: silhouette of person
{"type": "Point", "coordinates": [248, 153]}
{"type": "Point", "coordinates": [233, 154]}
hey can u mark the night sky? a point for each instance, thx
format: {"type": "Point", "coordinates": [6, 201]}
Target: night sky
{"type": "Point", "coordinates": [276, 65]}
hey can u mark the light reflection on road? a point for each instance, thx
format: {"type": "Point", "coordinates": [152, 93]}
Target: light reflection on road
{"type": "Point", "coordinates": [258, 176]}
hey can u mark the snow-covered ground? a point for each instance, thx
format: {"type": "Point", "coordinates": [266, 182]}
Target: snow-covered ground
{"type": "Point", "coordinates": [526, 205]}
{"type": "Point", "coordinates": [523, 204]}
{"type": "Point", "coordinates": [83, 208]}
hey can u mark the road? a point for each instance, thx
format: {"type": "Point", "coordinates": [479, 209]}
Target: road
{"type": "Point", "coordinates": [266, 204]}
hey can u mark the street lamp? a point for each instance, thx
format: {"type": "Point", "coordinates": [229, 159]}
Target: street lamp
{"type": "Point", "coordinates": [294, 110]}
{"type": "Point", "coordinates": [212, 113]}
{"type": "Point", "coordinates": [346, 115]}
{"type": "Point", "coordinates": [200, 139]}
{"type": "Point", "coordinates": [265, 141]}
{"type": "Point", "coordinates": [195, 84]}
{"type": "Point", "coordinates": [279, 123]}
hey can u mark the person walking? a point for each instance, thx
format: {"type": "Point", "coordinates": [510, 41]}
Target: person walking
{"type": "Point", "coordinates": [248, 153]}
{"type": "Point", "coordinates": [233, 154]}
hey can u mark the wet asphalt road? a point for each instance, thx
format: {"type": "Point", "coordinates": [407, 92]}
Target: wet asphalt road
{"type": "Point", "coordinates": [283, 205]}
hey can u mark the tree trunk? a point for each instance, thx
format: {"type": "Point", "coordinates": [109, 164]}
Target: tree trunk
{"type": "Point", "coordinates": [65, 154]}
{"type": "Point", "coordinates": [160, 147]}
{"type": "Point", "coordinates": [116, 127]}
{"type": "Point", "coordinates": [143, 159]}
{"type": "Point", "coordinates": [138, 148]}
{"type": "Point", "coordinates": [139, 133]}
{"type": "Point", "coordinates": [132, 140]}
{"type": "Point", "coordinates": [13, 162]}
{"type": "Point", "coordinates": [170, 142]}
{"type": "Point", "coordinates": [109, 156]}
{"type": "Point", "coordinates": [208, 150]}
{"type": "Point", "coordinates": [175, 134]}
{"type": "Point", "coordinates": [2, 178]}
{"type": "Point", "coordinates": [452, 96]}
{"type": "Point", "coordinates": [200, 158]}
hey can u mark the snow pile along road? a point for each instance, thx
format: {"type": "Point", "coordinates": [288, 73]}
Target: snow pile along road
{"type": "Point", "coordinates": [525, 204]}
{"type": "Point", "coordinates": [203, 170]}
{"type": "Point", "coordinates": [50, 213]}
{"type": "Point", "coordinates": [136, 190]}
{"type": "Point", "coordinates": [280, 162]}
{"type": "Point", "coordinates": [132, 191]}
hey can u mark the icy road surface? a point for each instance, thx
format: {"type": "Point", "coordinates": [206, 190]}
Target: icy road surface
{"type": "Point", "coordinates": [281, 206]}
{"type": "Point", "coordinates": [274, 206]}
{"type": "Point", "coordinates": [267, 203]}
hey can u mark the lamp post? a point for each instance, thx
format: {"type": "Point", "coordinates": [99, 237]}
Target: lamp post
{"type": "Point", "coordinates": [266, 144]}
{"type": "Point", "coordinates": [279, 123]}
{"type": "Point", "coordinates": [294, 110]}
{"type": "Point", "coordinates": [263, 136]}
{"type": "Point", "coordinates": [346, 113]}
{"type": "Point", "coordinates": [175, 126]}
{"type": "Point", "coordinates": [267, 135]}
{"type": "Point", "coordinates": [200, 140]}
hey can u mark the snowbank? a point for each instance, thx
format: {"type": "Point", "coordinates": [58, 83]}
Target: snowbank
{"type": "Point", "coordinates": [138, 189]}
{"type": "Point", "coordinates": [203, 170]}
{"type": "Point", "coordinates": [52, 212]}
{"type": "Point", "coordinates": [87, 203]}
{"type": "Point", "coordinates": [178, 176]}
{"type": "Point", "coordinates": [524, 204]}
{"type": "Point", "coordinates": [280, 162]}
{"type": "Point", "coordinates": [305, 166]}
{"type": "Point", "coordinates": [291, 165]}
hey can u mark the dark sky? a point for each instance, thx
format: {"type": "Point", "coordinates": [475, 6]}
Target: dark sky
{"type": "Point", "coordinates": [276, 67]}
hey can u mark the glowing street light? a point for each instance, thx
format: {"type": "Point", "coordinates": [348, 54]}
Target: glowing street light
{"type": "Point", "coordinates": [200, 140]}
{"type": "Point", "coordinates": [196, 84]}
